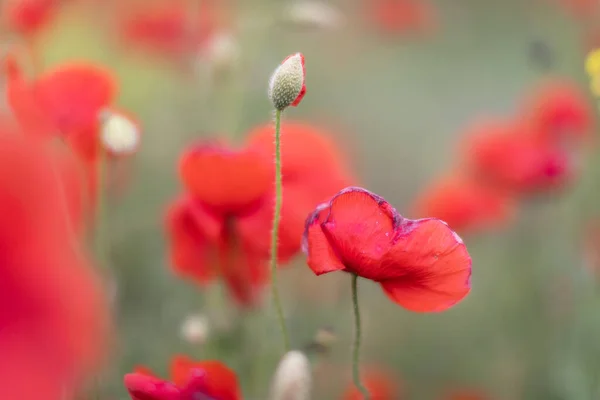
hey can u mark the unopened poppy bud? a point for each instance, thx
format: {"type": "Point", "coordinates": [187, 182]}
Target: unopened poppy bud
{"type": "Point", "coordinates": [119, 134]}
{"type": "Point", "coordinates": [195, 329]}
{"type": "Point", "coordinates": [287, 86]}
{"type": "Point", "coordinates": [315, 14]}
{"type": "Point", "coordinates": [292, 379]}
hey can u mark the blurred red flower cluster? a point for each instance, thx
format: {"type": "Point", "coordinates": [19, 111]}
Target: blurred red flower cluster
{"type": "Point", "coordinates": [502, 161]}
{"type": "Point", "coordinates": [220, 226]}
{"type": "Point", "coordinates": [191, 380]}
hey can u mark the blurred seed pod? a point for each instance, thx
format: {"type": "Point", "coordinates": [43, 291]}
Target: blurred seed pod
{"type": "Point", "coordinates": [195, 329]}
{"type": "Point", "coordinates": [313, 15]}
{"type": "Point", "coordinates": [292, 379]}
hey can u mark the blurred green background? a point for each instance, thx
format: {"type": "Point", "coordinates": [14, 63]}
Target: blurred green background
{"type": "Point", "coordinates": [530, 329]}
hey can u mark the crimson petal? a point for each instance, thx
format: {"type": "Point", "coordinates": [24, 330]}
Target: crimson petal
{"type": "Point", "coordinates": [428, 267]}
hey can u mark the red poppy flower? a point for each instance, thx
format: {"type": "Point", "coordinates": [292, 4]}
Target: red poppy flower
{"type": "Point", "coordinates": [583, 9]}
{"type": "Point", "coordinates": [191, 380]}
{"type": "Point", "coordinates": [380, 385]}
{"type": "Point", "coordinates": [402, 16]}
{"type": "Point", "coordinates": [559, 109]}
{"type": "Point", "coordinates": [465, 203]}
{"type": "Point", "coordinates": [507, 154]}
{"type": "Point", "coordinates": [28, 16]}
{"type": "Point", "coordinates": [169, 27]}
{"type": "Point", "coordinates": [54, 319]}
{"type": "Point", "coordinates": [67, 100]}
{"type": "Point", "coordinates": [421, 264]}
{"type": "Point", "coordinates": [222, 227]}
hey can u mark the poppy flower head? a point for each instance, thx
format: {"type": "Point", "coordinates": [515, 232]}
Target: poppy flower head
{"type": "Point", "coordinates": [44, 332]}
{"type": "Point", "coordinates": [465, 203]}
{"type": "Point", "coordinates": [168, 28]}
{"type": "Point", "coordinates": [560, 110]}
{"type": "Point", "coordinates": [243, 177]}
{"type": "Point", "coordinates": [508, 155]}
{"type": "Point", "coordinates": [314, 170]}
{"type": "Point", "coordinates": [421, 264]}
{"type": "Point", "coordinates": [28, 16]}
{"type": "Point", "coordinates": [144, 387]}
{"type": "Point", "coordinates": [212, 379]}
{"type": "Point", "coordinates": [191, 380]}
{"type": "Point", "coordinates": [380, 385]}
{"type": "Point", "coordinates": [402, 16]}
{"type": "Point", "coordinates": [74, 95]}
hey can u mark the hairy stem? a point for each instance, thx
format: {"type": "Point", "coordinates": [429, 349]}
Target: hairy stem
{"type": "Point", "coordinates": [356, 347]}
{"type": "Point", "coordinates": [275, 231]}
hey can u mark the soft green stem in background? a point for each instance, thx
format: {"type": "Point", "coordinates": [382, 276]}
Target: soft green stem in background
{"type": "Point", "coordinates": [100, 246]}
{"type": "Point", "coordinates": [275, 231]}
{"type": "Point", "coordinates": [356, 347]}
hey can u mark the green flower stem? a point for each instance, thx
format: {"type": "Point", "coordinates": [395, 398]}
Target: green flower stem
{"type": "Point", "coordinates": [100, 245]}
{"type": "Point", "coordinates": [356, 347]}
{"type": "Point", "coordinates": [275, 231]}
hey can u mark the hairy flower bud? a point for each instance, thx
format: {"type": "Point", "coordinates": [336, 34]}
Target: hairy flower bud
{"type": "Point", "coordinates": [287, 86]}
{"type": "Point", "coordinates": [119, 134]}
{"type": "Point", "coordinates": [292, 379]}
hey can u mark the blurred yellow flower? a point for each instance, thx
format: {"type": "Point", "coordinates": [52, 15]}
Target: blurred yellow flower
{"type": "Point", "coordinates": [592, 63]}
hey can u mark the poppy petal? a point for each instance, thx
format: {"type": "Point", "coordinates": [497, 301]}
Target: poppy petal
{"type": "Point", "coordinates": [191, 230]}
{"type": "Point", "coordinates": [243, 177]}
{"type": "Point", "coordinates": [74, 94]}
{"type": "Point", "coordinates": [212, 379]}
{"type": "Point", "coordinates": [359, 216]}
{"type": "Point", "coordinates": [321, 256]}
{"type": "Point", "coordinates": [255, 228]}
{"type": "Point", "coordinates": [142, 387]}
{"type": "Point", "coordinates": [243, 271]}
{"type": "Point", "coordinates": [180, 369]}
{"type": "Point", "coordinates": [428, 268]}
{"type": "Point", "coordinates": [465, 203]}
{"type": "Point", "coordinates": [143, 370]}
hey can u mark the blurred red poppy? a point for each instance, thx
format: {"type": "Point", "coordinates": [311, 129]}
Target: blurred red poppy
{"type": "Point", "coordinates": [54, 321]}
{"type": "Point", "coordinates": [421, 264]}
{"type": "Point", "coordinates": [172, 28]}
{"type": "Point", "coordinates": [380, 385]}
{"type": "Point", "coordinates": [559, 109]}
{"type": "Point", "coordinates": [222, 226]}
{"type": "Point", "coordinates": [191, 380]}
{"type": "Point", "coordinates": [28, 17]}
{"type": "Point", "coordinates": [465, 203]}
{"type": "Point", "coordinates": [66, 101]}
{"type": "Point", "coordinates": [582, 9]}
{"type": "Point", "coordinates": [509, 155]}
{"type": "Point", "coordinates": [402, 16]}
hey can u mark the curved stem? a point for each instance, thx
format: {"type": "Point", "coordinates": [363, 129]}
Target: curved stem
{"type": "Point", "coordinates": [100, 245]}
{"type": "Point", "coordinates": [356, 348]}
{"type": "Point", "coordinates": [275, 231]}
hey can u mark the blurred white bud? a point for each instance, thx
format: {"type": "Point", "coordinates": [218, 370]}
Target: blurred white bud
{"type": "Point", "coordinates": [119, 134]}
{"type": "Point", "coordinates": [286, 87]}
{"type": "Point", "coordinates": [223, 51]}
{"type": "Point", "coordinates": [195, 329]}
{"type": "Point", "coordinates": [292, 379]}
{"type": "Point", "coordinates": [314, 14]}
